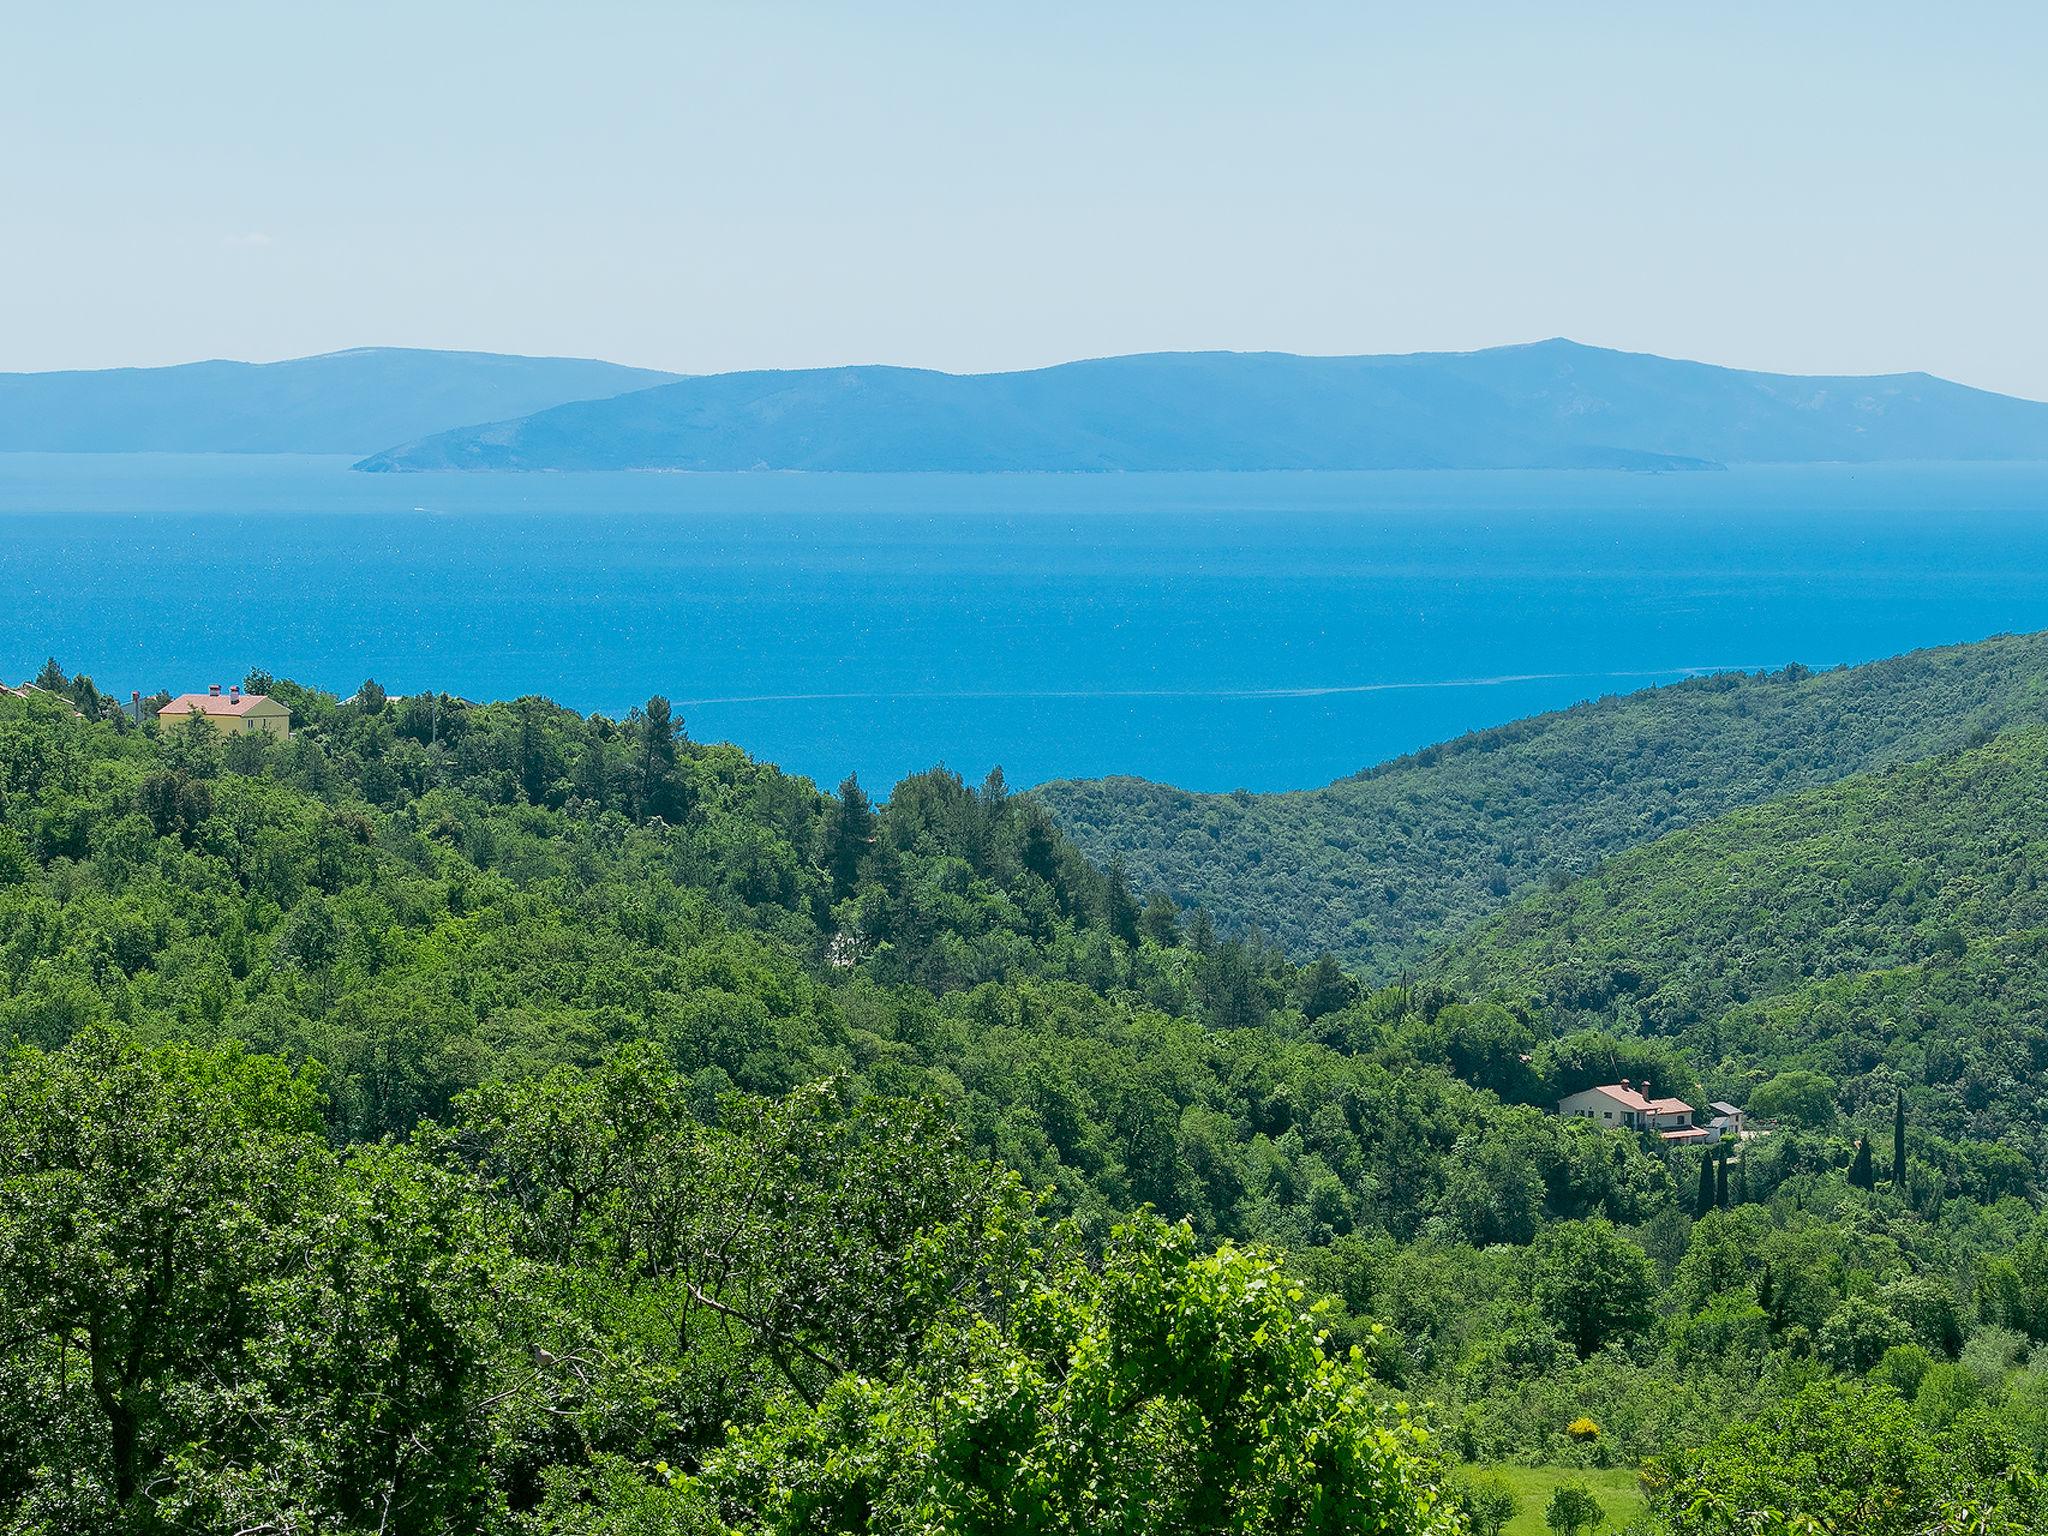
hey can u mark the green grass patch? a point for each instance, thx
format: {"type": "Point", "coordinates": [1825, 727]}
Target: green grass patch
{"type": "Point", "coordinates": [1614, 1487]}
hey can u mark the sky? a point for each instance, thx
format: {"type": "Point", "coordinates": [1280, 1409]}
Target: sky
{"type": "Point", "coordinates": [1819, 187]}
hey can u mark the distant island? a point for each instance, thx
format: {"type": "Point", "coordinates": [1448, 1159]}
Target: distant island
{"type": "Point", "coordinates": [1548, 405]}
{"type": "Point", "coordinates": [340, 402]}
{"type": "Point", "coordinates": [1553, 404]}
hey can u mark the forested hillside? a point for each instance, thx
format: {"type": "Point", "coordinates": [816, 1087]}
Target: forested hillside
{"type": "Point", "coordinates": [1882, 929]}
{"type": "Point", "coordinates": [1385, 868]}
{"type": "Point", "coordinates": [490, 1118]}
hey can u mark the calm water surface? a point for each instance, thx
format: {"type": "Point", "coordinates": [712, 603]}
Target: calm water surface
{"type": "Point", "coordinates": [1269, 631]}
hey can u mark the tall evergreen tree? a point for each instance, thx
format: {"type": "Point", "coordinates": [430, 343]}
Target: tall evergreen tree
{"type": "Point", "coordinates": [1161, 920]}
{"type": "Point", "coordinates": [1119, 903]}
{"type": "Point", "coordinates": [1860, 1173]}
{"type": "Point", "coordinates": [660, 730]}
{"type": "Point", "coordinates": [1742, 1179]}
{"type": "Point", "coordinates": [849, 832]}
{"type": "Point", "coordinates": [1704, 1201]}
{"type": "Point", "coordinates": [1721, 1179]}
{"type": "Point", "coordinates": [1899, 1143]}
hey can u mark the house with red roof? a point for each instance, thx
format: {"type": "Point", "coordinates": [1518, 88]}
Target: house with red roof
{"type": "Point", "coordinates": [234, 711]}
{"type": "Point", "coordinates": [1624, 1106]}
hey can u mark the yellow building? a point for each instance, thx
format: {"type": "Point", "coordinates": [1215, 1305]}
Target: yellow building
{"type": "Point", "coordinates": [234, 711]}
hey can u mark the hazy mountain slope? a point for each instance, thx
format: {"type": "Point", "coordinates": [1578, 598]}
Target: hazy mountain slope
{"type": "Point", "coordinates": [1898, 867]}
{"type": "Point", "coordinates": [342, 402]}
{"type": "Point", "coordinates": [1552, 404]}
{"type": "Point", "coordinates": [1384, 868]}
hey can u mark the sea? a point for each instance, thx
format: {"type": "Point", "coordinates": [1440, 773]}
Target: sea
{"type": "Point", "coordinates": [1215, 631]}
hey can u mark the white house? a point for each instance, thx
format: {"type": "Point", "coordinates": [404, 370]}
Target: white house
{"type": "Point", "coordinates": [1726, 1120]}
{"type": "Point", "coordinates": [1623, 1106]}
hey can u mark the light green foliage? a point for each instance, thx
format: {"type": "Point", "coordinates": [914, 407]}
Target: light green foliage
{"type": "Point", "coordinates": [1172, 1390]}
{"type": "Point", "coordinates": [1572, 1508]}
{"type": "Point", "coordinates": [1840, 1457]}
{"type": "Point", "coordinates": [485, 1118]}
{"type": "Point", "coordinates": [1486, 1500]}
{"type": "Point", "coordinates": [1797, 1098]}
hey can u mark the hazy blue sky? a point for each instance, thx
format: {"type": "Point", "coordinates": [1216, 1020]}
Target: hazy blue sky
{"type": "Point", "coordinates": [1809, 186]}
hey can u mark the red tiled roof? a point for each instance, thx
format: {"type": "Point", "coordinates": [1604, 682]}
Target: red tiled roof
{"type": "Point", "coordinates": [214, 703]}
{"type": "Point", "coordinates": [1628, 1098]}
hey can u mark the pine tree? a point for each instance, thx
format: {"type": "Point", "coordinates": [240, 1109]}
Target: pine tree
{"type": "Point", "coordinates": [1119, 903]}
{"type": "Point", "coordinates": [1721, 1180]}
{"type": "Point", "coordinates": [1899, 1144]}
{"type": "Point", "coordinates": [849, 832]}
{"type": "Point", "coordinates": [1705, 1201]}
{"type": "Point", "coordinates": [1860, 1174]}
{"type": "Point", "coordinates": [660, 791]}
{"type": "Point", "coordinates": [1161, 921]}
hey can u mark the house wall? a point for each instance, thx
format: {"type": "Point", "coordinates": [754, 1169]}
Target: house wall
{"type": "Point", "coordinates": [1605, 1111]}
{"type": "Point", "coordinates": [275, 722]}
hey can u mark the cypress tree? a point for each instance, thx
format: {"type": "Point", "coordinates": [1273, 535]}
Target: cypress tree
{"type": "Point", "coordinates": [1721, 1180]}
{"type": "Point", "coordinates": [1859, 1171]}
{"type": "Point", "coordinates": [1899, 1144]}
{"type": "Point", "coordinates": [1742, 1179]}
{"type": "Point", "coordinates": [1705, 1202]}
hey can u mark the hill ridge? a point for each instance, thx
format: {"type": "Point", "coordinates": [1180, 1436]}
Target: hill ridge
{"type": "Point", "coordinates": [1550, 404]}
{"type": "Point", "coordinates": [1385, 867]}
{"type": "Point", "coordinates": [344, 402]}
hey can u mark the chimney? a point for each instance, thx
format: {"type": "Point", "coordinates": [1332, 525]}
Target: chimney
{"type": "Point", "coordinates": [213, 690]}
{"type": "Point", "coordinates": [234, 690]}
{"type": "Point", "coordinates": [135, 698]}
{"type": "Point", "coordinates": [1627, 1083]}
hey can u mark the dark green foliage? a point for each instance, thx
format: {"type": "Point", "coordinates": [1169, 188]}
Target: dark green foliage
{"type": "Point", "coordinates": [479, 1117]}
{"type": "Point", "coordinates": [1384, 868]}
{"type": "Point", "coordinates": [1795, 945]}
{"type": "Point", "coordinates": [1899, 1143]}
{"type": "Point", "coordinates": [1594, 1285]}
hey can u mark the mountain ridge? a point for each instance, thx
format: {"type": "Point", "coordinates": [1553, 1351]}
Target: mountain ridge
{"type": "Point", "coordinates": [345, 402]}
{"type": "Point", "coordinates": [1549, 404]}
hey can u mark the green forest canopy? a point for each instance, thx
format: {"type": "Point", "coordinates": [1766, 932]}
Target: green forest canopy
{"type": "Point", "coordinates": [486, 1117]}
{"type": "Point", "coordinates": [1384, 868]}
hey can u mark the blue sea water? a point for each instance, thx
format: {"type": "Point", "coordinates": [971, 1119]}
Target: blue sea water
{"type": "Point", "coordinates": [1215, 631]}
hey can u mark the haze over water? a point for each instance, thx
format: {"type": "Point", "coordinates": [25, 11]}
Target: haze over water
{"type": "Point", "coordinates": [1215, 631]}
